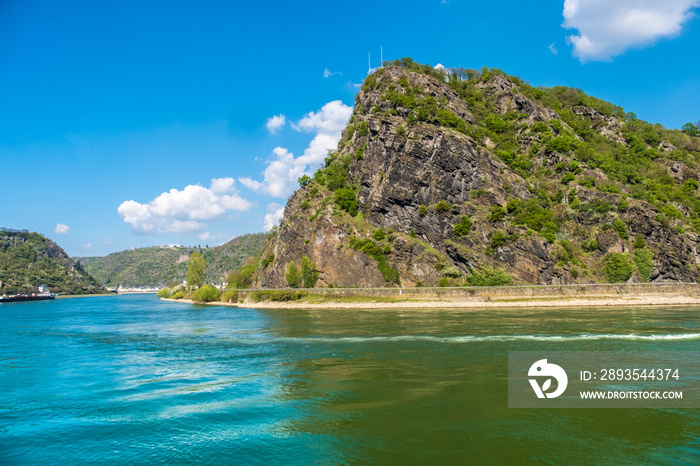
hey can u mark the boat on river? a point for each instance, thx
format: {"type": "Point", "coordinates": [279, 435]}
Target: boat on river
{"type": "Point", "coordinates": [42, 295]}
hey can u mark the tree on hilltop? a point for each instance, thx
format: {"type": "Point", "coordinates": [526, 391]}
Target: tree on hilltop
{"type": "Point", "coordinates": [691, 129]}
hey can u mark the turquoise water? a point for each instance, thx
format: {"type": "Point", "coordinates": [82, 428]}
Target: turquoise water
{"type": "Point", "coordinates": [132, 380]}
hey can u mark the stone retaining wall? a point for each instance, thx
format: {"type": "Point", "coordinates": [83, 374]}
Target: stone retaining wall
{"type": "Point", "coordinates": [513, 292]}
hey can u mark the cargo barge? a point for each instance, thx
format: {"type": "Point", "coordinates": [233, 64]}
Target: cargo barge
{"type": "Point", "coordinates": [42, 295]}
{"type": "Point", "coordinates": [26, 297]}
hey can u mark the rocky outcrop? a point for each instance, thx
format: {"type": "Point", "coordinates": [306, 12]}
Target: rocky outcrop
{"type": "Point", "coordinates": [418, 161]}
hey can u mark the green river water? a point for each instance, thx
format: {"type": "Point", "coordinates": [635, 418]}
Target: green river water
{"type": "Point", "coordinates": [133, 380]}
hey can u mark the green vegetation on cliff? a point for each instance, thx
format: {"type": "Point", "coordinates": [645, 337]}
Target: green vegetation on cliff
{"type": "Point", "coordinates": [577, 132]}
{"type": "Point", "coordinates": [28, 260]}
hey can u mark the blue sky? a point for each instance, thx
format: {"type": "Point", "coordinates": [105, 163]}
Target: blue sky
{"type": "Point", "coordinates": [137, 123]}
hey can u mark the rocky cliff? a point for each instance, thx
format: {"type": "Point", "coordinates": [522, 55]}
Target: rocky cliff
{"type": "Point", "coordinates": [465, 177]}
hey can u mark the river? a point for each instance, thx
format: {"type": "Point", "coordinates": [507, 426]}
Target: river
{"type": "Point", "coordinates": [133, 380]}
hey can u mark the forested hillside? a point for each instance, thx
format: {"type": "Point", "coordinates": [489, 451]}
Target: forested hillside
{"type": "Point", "coordinates": [159, 266]}
{"type": "Point", "coordinates": [28, 260]}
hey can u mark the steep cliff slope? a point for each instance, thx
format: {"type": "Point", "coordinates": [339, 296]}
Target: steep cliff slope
{"type": "Point", "coordinates": [28, 260]}
{"type": "Point", "coordinates": [466, 177]}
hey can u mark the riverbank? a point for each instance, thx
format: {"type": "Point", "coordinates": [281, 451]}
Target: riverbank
{"type": "Point", "coordinates": [94, 295]}
{"type": "Point", "coordinates": [471, 298]}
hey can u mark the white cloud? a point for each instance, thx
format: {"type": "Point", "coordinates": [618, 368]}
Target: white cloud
{"type": "Point", "coordinates": [273, 217]}
{"type": "Point", "coordinates": [439, 66]}
{"type": "Point", "coordinates": [552, 48]}
{"type": "Point", "coordinates": [608, 28]}
{"type": "Point", "coordinates": [283, 171]}
{"type": "Point", "coordinates": [222, 185]}
{"type": "Point", "coordinates": [61, 229]}
{"type": "Point", "coordinates": [318, 148]}
{"type": "Point", "coordinates": [218, 236]}
{"type": "Point", "coordinates": [331, 119]}
{"type": "Point", "coordinates": [275, 123]}
{"type": "Point", "coordinates": [252, 184]}
{"type": "Point", "coordinates": [183, 211]}
{"type": "Point", "coordinates": [281, 175]}
{"type": "Point", "coordinates": [328, 73]}
{"type": "Point", "coordinates": [86, 246]}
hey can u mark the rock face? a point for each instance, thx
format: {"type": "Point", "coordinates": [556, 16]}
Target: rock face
{"type": "Point", "coordinates": [421, 159]}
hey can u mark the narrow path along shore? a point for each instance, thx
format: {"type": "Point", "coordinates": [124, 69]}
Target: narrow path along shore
{"type": "Point", "coordinates": [496, 297]}
{"type": "Point", "coordinates": [462, 304]}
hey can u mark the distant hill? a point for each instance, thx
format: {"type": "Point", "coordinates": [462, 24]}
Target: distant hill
{"type": "Point", "coordinates": [158, 266]}
{"type": "Point", "coordinates": [28, 260]}
{"type": "Point", "coordinates": [230, 256]}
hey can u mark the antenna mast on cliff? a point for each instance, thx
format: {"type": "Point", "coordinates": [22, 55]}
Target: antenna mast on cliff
{"type": "Point", "coordinates": [381, 60]}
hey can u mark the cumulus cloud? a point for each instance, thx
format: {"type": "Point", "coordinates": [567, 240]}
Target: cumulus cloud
{"type": "Point", "coordinates": [61, 229]}
{"type": "Point", "coordinates": [275, 123]}
{"type": "Point", "coordinates": [273, 217]}
{"type": "Point", "coordinates": [280, 176]}
{"type": "Point", "coordinates": [283, 170]}
{"type": "Point", "coordinates": [331, 119]}
{"type": "Point", "coordinates": [183, 211]}
{"type": "Point", "coordinates": [608, 28]}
